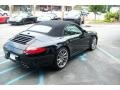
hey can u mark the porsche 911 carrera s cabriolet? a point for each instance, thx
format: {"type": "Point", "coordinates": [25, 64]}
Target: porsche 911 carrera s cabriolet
{"type": "Point", "coordinates": [22, 18]}
{"type": "Point", "coordinates": [49, 43]}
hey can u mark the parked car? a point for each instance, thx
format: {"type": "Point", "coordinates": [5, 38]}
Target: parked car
{"type": "Point", "coordinates": [49, 43]}
{"type": "Point", "coordinates": [4, 19]}
{"type": "Point", "coordinates": [3, 13]}
{"type": "Point", "coordinates": [47, 16]}
{"type": "Point", "coordinates": [22, 18]}
{"type": "Point", "coordinates": [74, 16]}
{"type": "Point", "coordinates": [85, 12]}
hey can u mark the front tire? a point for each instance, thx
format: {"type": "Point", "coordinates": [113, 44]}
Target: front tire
{"type": "Point", "coordinates": [61, 58]}
{"type": "Point", "coordinates": [93, 43]}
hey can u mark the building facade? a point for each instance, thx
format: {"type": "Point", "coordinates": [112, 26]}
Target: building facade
{"type": "Point", "coordinates": [34, 8]}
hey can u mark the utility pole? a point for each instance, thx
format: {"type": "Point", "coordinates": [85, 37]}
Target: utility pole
{"type": "Point", "coordinates": [34, 9]}
{"type": "Point", "coordinates": [119, 13]}
{"type": "Point", "coordinates": [51, 8]}
{"type": "Point", "coordinates": [63, 10]}
{"type": "Point", "coordinates": [10, 10]}
{"type": "Point", "coordinates": [72, 7]}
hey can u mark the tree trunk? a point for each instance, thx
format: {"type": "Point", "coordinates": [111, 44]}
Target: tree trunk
{"type": "Point", "coordinates": [62, 12]}
{"type": "Point", "coordinates": [95, 16]}
{"type": "Point", "coordinates": [119, 13]}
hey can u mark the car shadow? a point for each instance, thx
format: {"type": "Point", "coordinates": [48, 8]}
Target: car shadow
{"type": "Point", "coordinates": [50, 69]}
{"type": "Point", "coordinates": [41, 72]}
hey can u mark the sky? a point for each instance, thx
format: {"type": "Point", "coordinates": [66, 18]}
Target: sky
{"type": "Point", "coordinates": [60, 2]}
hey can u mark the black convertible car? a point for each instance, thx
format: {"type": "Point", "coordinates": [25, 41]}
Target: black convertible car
{"type": "Point", "coordinates": [49, 43]}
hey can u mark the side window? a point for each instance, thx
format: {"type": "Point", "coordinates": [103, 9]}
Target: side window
{"type": "Point", "coordinates": [72, 30]}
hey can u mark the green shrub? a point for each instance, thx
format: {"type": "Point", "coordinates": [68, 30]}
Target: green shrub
{"type": "Point", "coordinates": [111, 17]}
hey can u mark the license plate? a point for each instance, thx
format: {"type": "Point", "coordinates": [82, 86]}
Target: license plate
{"type": "Point", "coordinates": [13, 56]}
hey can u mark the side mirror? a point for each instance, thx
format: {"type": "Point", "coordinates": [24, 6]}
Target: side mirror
{"type": "Point", "coordinates": [84, 31]}
{"type": "Point", "coordinates": [83, 35]}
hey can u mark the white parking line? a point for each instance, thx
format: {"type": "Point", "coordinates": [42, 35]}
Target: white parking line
{"type": "Point", "coordinates": [4, 62]}
{"type": "Point", "coordinates": [18, 78]}
{"type": "Point", "coordinates": [9, 69]}
{"type": "Point", "coordinates": [108, 54]}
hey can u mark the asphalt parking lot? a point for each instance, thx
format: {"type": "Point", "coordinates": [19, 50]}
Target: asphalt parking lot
{"type": "Point", "coordinates": [101, 66]}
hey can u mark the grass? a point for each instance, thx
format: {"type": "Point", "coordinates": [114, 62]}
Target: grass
{"type": "Point", "coordinates": [100, 22]}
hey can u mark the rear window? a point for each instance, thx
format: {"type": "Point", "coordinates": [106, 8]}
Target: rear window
{"type": "Point", "coordinates": [40, 29]}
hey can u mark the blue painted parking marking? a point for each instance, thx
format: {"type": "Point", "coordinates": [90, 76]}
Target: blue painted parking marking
{"type": "Point", "coordinates": [83, 57]}
{"type": "Point", "coordinates": [18, 78]}
{"type": "Point", "coordinates": [41, 78]}
{"type": "Point", "coordinates": [4, 61]}
{"type": "Point", "coordinates": [7, 70]}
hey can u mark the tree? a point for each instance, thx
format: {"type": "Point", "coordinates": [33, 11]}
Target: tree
{"type": "Point", "coordinates": [97, 8]}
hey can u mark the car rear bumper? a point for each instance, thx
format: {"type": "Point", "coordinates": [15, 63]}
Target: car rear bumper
{"type": "Point", "coordinates": [31, 60]}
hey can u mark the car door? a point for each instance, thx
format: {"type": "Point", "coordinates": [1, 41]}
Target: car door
{"type": "Point", "coordinates": [84, 40]}
{"type": "Point", "coordinates": [78, 41]}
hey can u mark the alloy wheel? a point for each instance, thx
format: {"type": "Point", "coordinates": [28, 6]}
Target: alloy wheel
{"type": "Point", "coordinates": [62, 58]}
{"type": "Point", "coordinates": [94, 43]}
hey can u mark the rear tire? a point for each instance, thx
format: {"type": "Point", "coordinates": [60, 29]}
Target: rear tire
{"type": "Point", "coordinates": [61, 58]}
{"type": "Point", "coordinates": [35, 20]}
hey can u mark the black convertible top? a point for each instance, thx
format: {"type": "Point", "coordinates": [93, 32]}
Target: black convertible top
{"type": "Point", "coordinates": [57, 26]}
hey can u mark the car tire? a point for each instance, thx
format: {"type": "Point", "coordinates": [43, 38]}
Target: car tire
{"type": "Point", "coordinates": [83, 22]}
{"type": "Point", "coordinates": [7, 20]}
{"type": "Point", "coordinates": [61, 59]}
{"type": "Point", "coordinates": [23, 22]}
{"type": "Point", "coordinates": [93, 43]}
{"type": "Point", "coordinates": [35, 20]}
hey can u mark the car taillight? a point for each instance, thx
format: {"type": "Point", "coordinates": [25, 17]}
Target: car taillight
{"type": "Point", "coordinates": [34, 50]}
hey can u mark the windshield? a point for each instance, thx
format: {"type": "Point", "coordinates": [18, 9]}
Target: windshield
{"type": "Point", "coordinates": [73, 14]}
{"type": "Point", "coordinates": [50, 15]}
{"type": "Point", "coordinates": [40, 29]}
{"type": "Point", "coordinates": [23, 15]}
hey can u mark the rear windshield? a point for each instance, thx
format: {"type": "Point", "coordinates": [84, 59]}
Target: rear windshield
{"type": "Point", "coordinates": [55, 31]}
{"type": "Point", "coordinates": [40, 29]}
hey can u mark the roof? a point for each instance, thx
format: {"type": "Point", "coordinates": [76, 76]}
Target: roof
{"type": "Point", "coordinates": [55, 23]}
{"type": "Point", "coordinates": [57, 26]}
